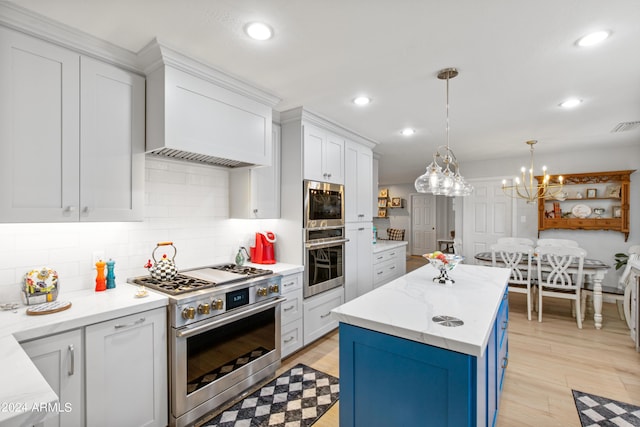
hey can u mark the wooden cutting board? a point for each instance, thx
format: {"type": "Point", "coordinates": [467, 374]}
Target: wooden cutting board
{"type": "Point", "coordinates": [48, 308]}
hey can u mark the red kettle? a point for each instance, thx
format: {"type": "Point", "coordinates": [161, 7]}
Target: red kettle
{"type": "Point", "coordinates": [263, 252]}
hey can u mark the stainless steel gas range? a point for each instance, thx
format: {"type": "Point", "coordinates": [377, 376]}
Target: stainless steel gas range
{"type": "Point", "coordinates": [224, 335]}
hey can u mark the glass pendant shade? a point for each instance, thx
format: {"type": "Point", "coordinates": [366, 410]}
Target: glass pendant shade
{"type": "Point", "coordinates": [442, 176]}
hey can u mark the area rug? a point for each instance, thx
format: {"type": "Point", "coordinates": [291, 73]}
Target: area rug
{"type": "Point", "coordinates": [296, 398]}
{"type": "Point", "coordinates": [597, 411]}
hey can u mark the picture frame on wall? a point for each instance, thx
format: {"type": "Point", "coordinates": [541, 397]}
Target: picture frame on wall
{"type": "Point", "coordinates": [382, 202]}
{"type": "Point", "coordinates": [396, 202]}
{"type": "Point", "coordinates": [612, 191]}
{"type": "Point", "coordinates": [616, 211]}
{"type": "Point", "coordinates": [592, 193]}
{"type": "Point", "coordinates": [382, 213]}
{"type": "Point", "coordinates": [384, 192]}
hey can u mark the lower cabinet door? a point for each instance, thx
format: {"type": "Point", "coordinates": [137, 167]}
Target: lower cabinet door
{"type": "Point", "coordinates": [317, 314]}
{"type": "Point", "coordinates": [59, 360]}
{"type": "Point", "coordinates": [126, 371]}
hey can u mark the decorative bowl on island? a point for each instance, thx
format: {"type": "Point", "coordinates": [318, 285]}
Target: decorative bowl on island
{"type": "Point", "coordinates": [443, 263]}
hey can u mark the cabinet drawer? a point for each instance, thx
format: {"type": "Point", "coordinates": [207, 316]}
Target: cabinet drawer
{"type": "Point", "coordinates": [384, 271]}
{"type": "Point", "coordinates": [291, 283]}
{"type": "Point", "coordinates": [291, 338]}
{"type": "Point", "coordinates": [317, 314]}
{"type": "Point", "coordinates": [292, 307]}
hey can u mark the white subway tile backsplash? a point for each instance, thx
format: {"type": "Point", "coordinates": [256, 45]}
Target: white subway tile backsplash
{"type": "Point", "coordinates": [184, 203]}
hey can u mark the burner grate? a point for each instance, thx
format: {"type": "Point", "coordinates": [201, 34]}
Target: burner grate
{"type": "Point", "coordinates": [178, 285]}
{"type": "Point", "coordinates": [243, 269]}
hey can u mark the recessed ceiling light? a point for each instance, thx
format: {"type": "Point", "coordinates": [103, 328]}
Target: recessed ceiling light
{"type": "Point", "coordinates": [593, 38]}
{"type": "Point", "coordinates": [362, 100]}
{"type": "Point", "coordinates": [570, 103]}
{"type": "Point", "coordinates": [407, 131]}
{"type": "Point", "coordinates": [259, 31]}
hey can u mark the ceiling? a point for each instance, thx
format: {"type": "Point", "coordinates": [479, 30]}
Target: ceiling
{"type": "Point", "coordinates": [517, 61]}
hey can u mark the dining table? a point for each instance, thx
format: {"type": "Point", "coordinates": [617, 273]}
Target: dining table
{"type": "Point", "coordinates": [593, 268]}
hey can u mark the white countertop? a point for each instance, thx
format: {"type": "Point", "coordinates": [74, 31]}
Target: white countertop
{"type": "Point", "coordinates": [383, 245]}
{"type": "Point", "coordinates": [404, 307]}
{"type": "Point", "coordinates": [21, 385]}
{"type": "Point", "coordinates": [279, 267]}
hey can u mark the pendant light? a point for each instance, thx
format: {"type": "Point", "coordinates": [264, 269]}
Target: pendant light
{"type": "Point", "coordinates": [442, 176]}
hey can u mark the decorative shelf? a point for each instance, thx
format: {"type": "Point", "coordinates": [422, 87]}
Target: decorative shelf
{"type": "Point", "coordinates": [556, 214]}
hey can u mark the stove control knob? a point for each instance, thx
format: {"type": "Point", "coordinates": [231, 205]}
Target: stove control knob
{"type": "Point", "coordinates": [204, 309]}
{"type": "Point", "coordinates": [274, 289]}
{"type": "Point", "coordinates": [262, 292]}
{"type": "Point", "coordinates": [189, 313]}
{"type": "Point", "coordinates": [217, 304]}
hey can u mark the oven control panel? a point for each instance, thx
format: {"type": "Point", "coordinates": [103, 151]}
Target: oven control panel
{"type": "Point", "coordinates": [220, 301]}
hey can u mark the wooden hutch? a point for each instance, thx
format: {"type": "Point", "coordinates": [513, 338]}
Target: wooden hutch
{"type": "Point", "coordinates": [588, 201]}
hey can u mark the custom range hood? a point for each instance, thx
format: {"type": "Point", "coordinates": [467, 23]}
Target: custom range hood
{"type": "Point", "coordinates": [199, 114]}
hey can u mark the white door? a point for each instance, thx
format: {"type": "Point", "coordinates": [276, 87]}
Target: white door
{"type": "Point", "coordinates": [487, 216]}
{"type": "Point", "coordinates": [423, 223]}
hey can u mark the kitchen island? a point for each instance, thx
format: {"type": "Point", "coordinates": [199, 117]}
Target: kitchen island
{"type": "Point", "coordinates": [405, 362]}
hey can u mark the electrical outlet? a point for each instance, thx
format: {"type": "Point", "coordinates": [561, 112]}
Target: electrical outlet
{"type": "Point", "coordinates": [97, 256]}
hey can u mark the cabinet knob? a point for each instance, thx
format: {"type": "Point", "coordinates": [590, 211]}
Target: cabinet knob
{"type": "Point", "coordinates": [70, 209]}
{"type": "Point", "coordinates": [255, 211]}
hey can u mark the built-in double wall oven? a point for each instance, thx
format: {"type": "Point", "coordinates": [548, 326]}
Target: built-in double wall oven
{"type": "Point", "coordinates": [324, 237]}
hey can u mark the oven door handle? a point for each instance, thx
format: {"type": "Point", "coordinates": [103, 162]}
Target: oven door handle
{"type": "Point", "coordinates": [325, 244]}
{"type": "Point", "coordinates": [188, 332]}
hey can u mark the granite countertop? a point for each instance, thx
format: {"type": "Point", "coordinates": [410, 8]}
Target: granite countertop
{"type": "Point", "coordinates": [22, 387]}
{"type": "Point", "coordinates": [405, 307]}
{"type": "Point", "coordinates": [383, 245]}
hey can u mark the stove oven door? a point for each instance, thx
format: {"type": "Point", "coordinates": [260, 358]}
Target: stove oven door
{"type": "Point", "coordinates": [214, 361]}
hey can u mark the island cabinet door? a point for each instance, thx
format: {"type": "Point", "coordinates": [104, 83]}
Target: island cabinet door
{"type": "Point", "coordinates": [390, 381]}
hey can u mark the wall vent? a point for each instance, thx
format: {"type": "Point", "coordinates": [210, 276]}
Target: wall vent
{"type": "Point", "coordinates": [625, 126]}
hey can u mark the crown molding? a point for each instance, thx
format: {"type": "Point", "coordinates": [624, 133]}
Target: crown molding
{"type": "Point", "coordinates": [157, 54]}
{"type": "Point", "coordinates": [34, 24]}
{"type": "Point", "coordinates": [305, 115]}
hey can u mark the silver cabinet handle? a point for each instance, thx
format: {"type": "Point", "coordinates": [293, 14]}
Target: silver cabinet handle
{"type": "Point", "coordinates": [289, 284]}
{"type": "Point", "coordinates": [70, 209]}
{"type": "Point", "coordinates": [128, 325]}
{"type": "Point", "coordinates": [504, 325]}
{"type": "Point", "coordinates": [380, 272]}
{"type": "Point", "coordinates": [380, 257]}
{"type": "Point", "coordinates": [289, 308]}
{"type": "Point", "coordinates": [392, 253]}
{"type": "Point", "coordinates": [72, 360]}
{"type": "Point", "coordinates": [288, 340]}
{"type": "Point", "coordinates": [361, 229]}
{"type": "Point", "coordinates": [322, 316]}
{"type": "Point", "coordinates": [392, 267]}
{"type": "Point", "coordinates": [85, 209]}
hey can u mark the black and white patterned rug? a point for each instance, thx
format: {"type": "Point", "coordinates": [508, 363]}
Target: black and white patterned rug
{"type": "Point", "coordinates": [296, 398]}
{"type": "Point", "coordinates": [598, 411]}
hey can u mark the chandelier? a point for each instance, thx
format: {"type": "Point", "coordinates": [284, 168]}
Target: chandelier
{"type": "Point", "coordinates": [524, 188]}
{"type": "Point", "coordinates": [443, 173]}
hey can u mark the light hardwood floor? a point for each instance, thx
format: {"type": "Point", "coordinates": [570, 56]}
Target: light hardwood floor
{"type": "Point", "coordinates": [546, 361]}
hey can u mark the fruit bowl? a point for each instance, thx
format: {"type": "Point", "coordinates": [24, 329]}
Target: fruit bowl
{"type": "Point", "coordinates": [444, 263]}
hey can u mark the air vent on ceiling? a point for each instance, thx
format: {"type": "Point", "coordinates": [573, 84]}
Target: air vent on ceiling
{"type": "Point", "coordinates": [625, 126]}
{"type": "Point", "coordinates": [198, 158]}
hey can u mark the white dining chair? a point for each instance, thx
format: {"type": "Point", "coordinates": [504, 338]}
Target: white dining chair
{"type": "Point", "coordinates": [558, 242]}
{"type": "Point", "coordinates": [515, 241]}
{"type": "Point", "coordinates": [518, 258]}
{"type": "Point", "coordinates": [560, 276]}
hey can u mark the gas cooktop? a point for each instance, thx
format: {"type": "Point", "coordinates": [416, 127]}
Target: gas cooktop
{"type": "Point", "coordinates": [201, 278]}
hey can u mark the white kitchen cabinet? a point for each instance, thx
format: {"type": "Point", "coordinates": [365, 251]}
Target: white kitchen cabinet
{"type": "Point", "coordinates": [358, 176]}
{"type": "Point", "coordinates": [291, 314]}
{"type": "Point", "coordinates": [317, 314]}
{"type": "Point", "coordinates": [71, 135]}
{"type": "Point", "coordinates": [126, 371]}
{"type": "Point", "coordinates": [254, 193]}
{"type": "Point", "coordinates": [358, 250]}
{"type": "Point", "coordinates": [323, 154]}
{"type": "Point", "coordinates": [59, 358]}
{"type": "Point", "coordinates": [389, 264]}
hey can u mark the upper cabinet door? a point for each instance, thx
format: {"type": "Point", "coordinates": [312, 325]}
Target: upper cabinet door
{"type": "Point", "coordinates": [334, 159]}
{"type": "Point", "coordinates": [323, 155]}
{"type": "Point", "coordinates": [39, 140]}
{"type": "Point", "coordinates": [314, 140]}
{"type": "Point", "coordinates": [357, 182]}
{"type": "Point", "coordinates": [112, 143]}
